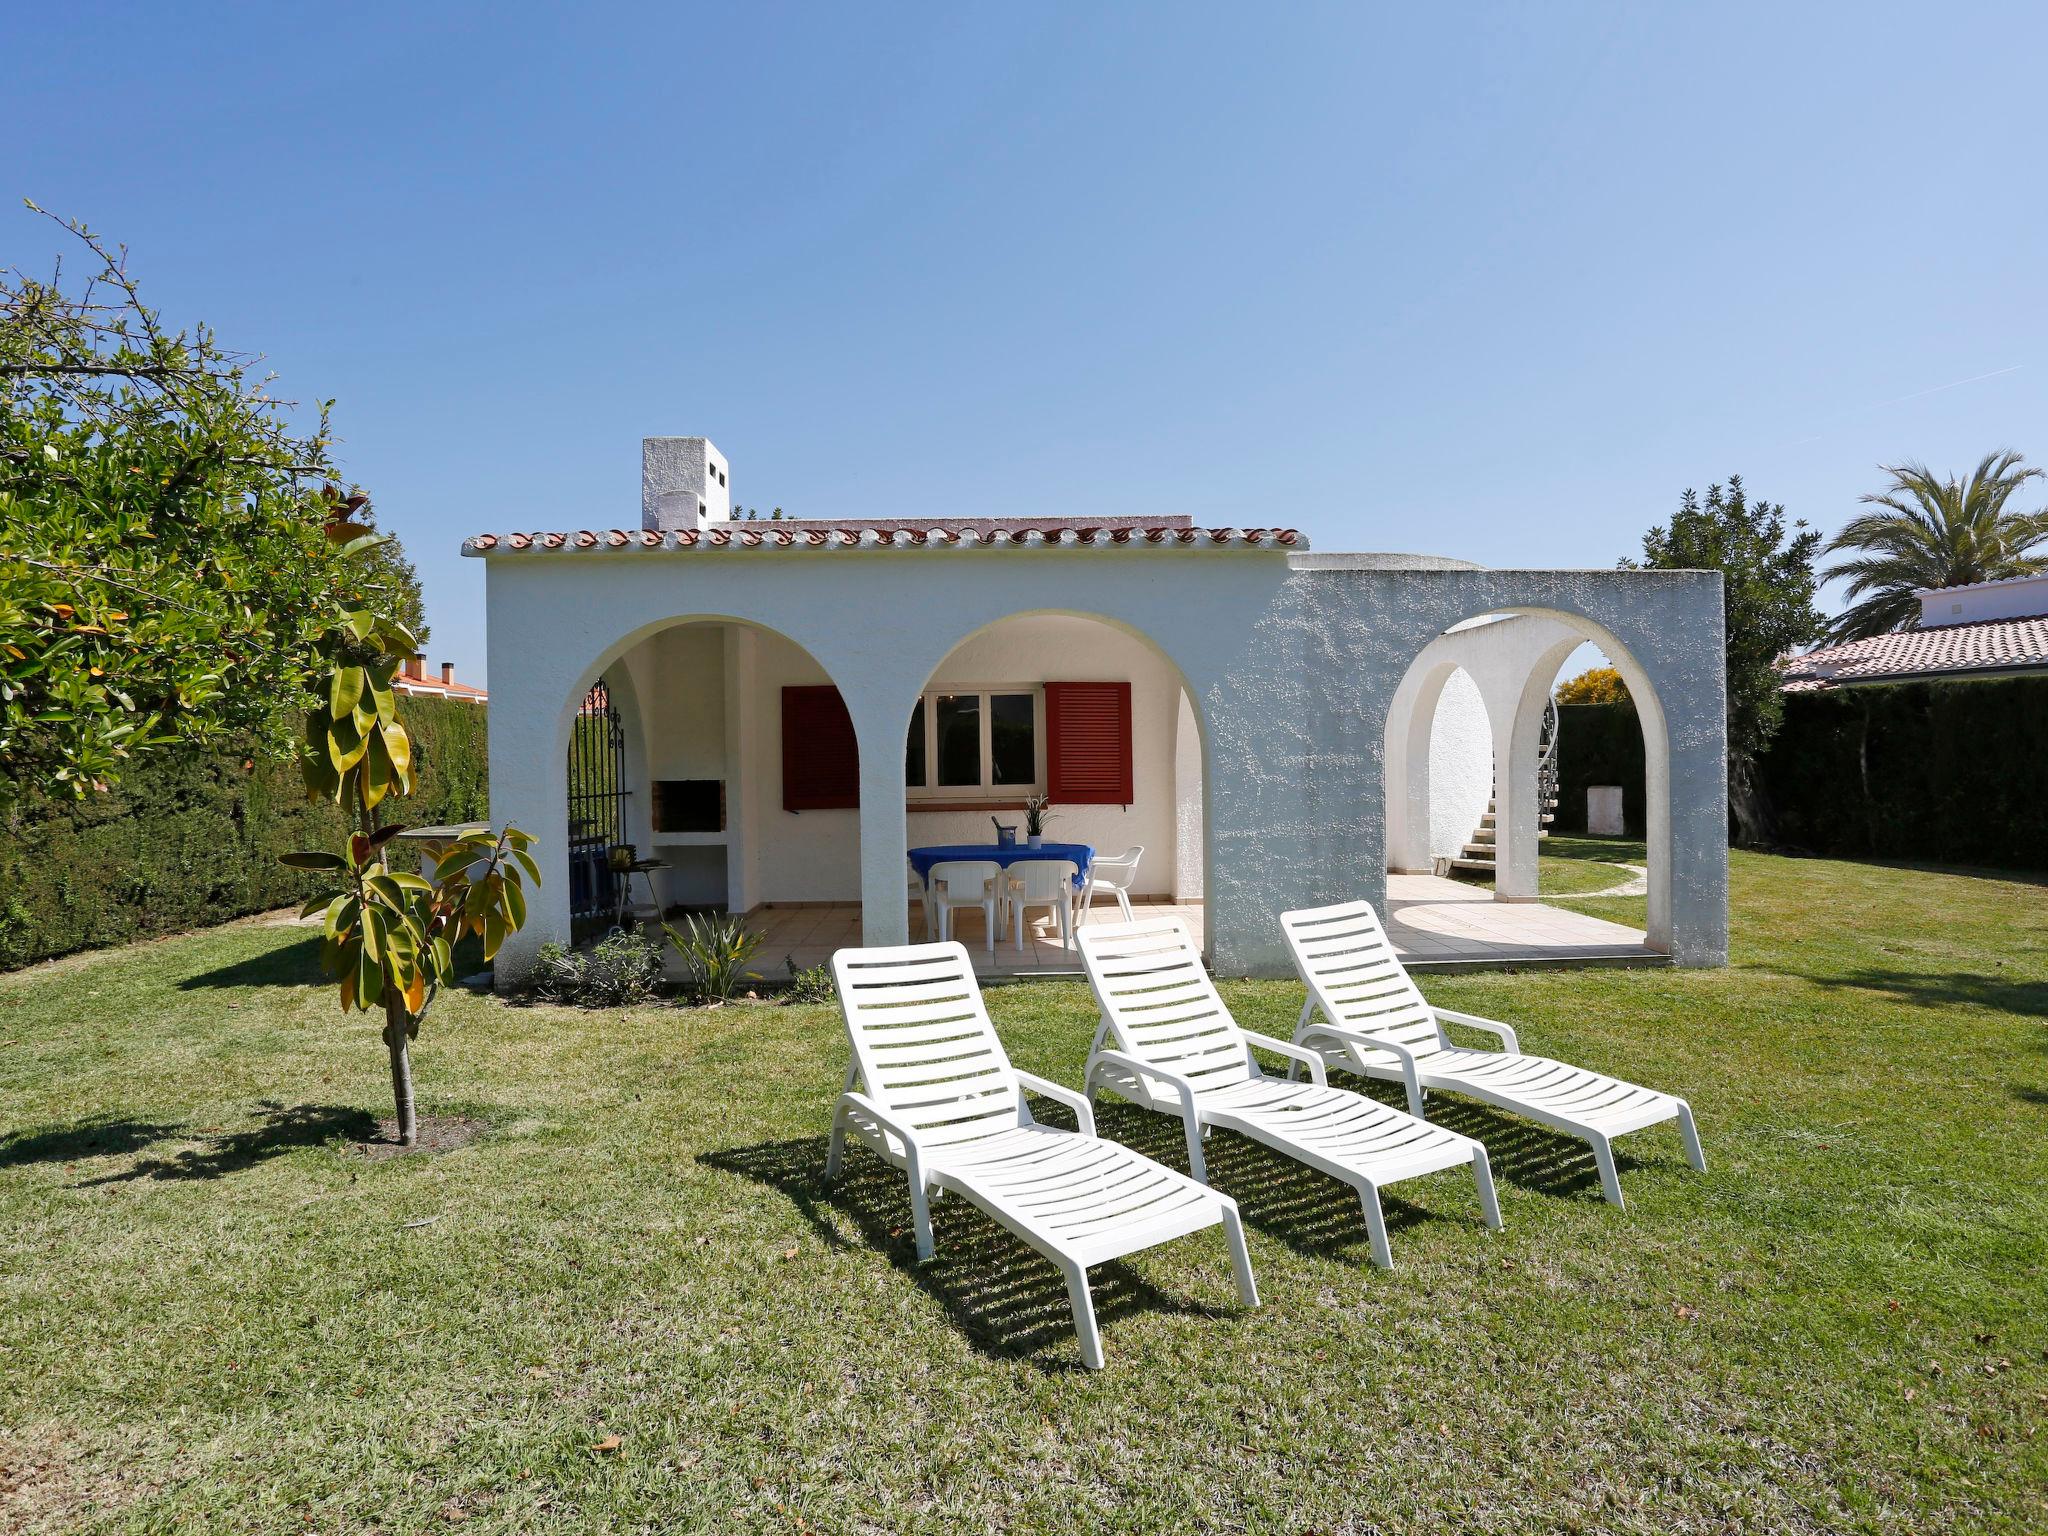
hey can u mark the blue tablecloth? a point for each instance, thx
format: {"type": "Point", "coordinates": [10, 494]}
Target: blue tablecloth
{"type": "Point", "coordinates": [1077, 854]}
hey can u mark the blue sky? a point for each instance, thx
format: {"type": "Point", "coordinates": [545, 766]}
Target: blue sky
{"type": "Point", "coordinates": [1490, 282]}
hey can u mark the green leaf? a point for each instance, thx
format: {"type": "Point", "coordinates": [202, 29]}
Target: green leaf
{"type": "Point", "coordinates": [377, 771]}
{"type": "Point", "coordinates": [494, 933]}
{"type": "Point", "coordinates": [525, 862]}
{"type": "Point", "coordinates": [346, 691]}
{"type": "Point", "coordinates": [361, 545]}
{"type": "Point", "coordinates": [515, 905]}
{"type": "Point", "coordinates": [341, 915]}
{"type": "Point", "coordinates": [345, 745]}
{"type": "Point", "coordinates": [313, 859]}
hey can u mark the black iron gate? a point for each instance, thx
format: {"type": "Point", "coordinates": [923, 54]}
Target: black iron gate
{"type": "Point", "coordinates": [597, 809]}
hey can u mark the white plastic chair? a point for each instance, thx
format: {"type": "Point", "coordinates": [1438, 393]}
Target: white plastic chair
{"type": "Point", "coordinates": [1376, 1022]}
{"type": "Point", "coordinates": [962, 884]}
{"type": "Point", "coordinates": [1177, 1050]}
{"type": "Point", "coordinates": [1047, 883]}
{"type": "Point", "coordinates": [940, 1100]}
{"type": "Point", "coordinates": [1115, 875]}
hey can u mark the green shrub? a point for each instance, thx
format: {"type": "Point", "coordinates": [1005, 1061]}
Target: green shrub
{"type": "Point", "coordinates": [715, 949]}
{"type": "Point", "coordinates": [190, 839]}
{"type": "Point", "coordinates": [621, 968]}
{"type": "Point", "coordinates": [808, 983]}
{"type": "Point", "coordinates": [1949, 772]}
{"type": "Point", "coordinates": [1598, 744]}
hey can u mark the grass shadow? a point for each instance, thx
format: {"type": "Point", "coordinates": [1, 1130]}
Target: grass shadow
{"type": "Point", "coordinates": [280, 1129]}
{"type": "Point", "coordinates": [293, 965]}
{"type": "Point", "coordinates": [1929, 989]}
{"type": "Point", "coordinates": [99, 1136]}
{"type": "Point", "coordinates": [1311, 1212]}
{"type": "Point", "coordinates": [1008, 1299]}
{"type": "Point", "coordinates": [1521, 1151]}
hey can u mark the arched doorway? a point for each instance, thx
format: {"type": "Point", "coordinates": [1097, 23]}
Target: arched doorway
{"type": "Point", "coordinates": [1513, 658]}
{"type": "Point", "coordinates": [1083, 710]}
{"type": "Point", "coordinates": [718, 752]}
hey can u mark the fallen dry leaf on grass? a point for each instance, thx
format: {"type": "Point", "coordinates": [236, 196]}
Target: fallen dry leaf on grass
{"type": "Point", "coordinates": [608, 1443]}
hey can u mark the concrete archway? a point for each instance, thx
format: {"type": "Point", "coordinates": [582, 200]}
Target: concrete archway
{"type": "Point", "coordinates": [1514, 668]}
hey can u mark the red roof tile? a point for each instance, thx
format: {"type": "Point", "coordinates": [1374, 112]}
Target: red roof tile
{"type": "Point", "coordinates": [770, 535]}
{"type": "Point", "coordinates": [1989, 645]}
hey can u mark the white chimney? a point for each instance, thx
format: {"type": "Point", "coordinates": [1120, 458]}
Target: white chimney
{"type": "Point", "coordinates": [682, 484]}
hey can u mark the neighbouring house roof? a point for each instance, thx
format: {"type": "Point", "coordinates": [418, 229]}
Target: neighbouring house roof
{"type": "Point", "coordinates": [414, 681]}
{"type": "Point", "coordinates": [972, 533]}
{"type": "Point", "coordinates": [1989, 645]}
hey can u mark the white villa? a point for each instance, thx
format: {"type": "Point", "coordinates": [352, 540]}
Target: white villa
{"type": "Point", "coordinates": [776, 711]}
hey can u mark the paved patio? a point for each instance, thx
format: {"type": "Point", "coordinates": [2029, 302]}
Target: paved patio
{"type": "Point", "coordinates": [1436, 924]}
{"type": "Point", "coordinates": [1440, 924]}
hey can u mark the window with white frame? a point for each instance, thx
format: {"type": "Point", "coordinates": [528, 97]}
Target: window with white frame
{"type": "Point", "coordinates": [975, 743]}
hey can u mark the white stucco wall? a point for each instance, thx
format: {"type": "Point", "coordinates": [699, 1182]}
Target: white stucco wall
{"type": "Point", "coordinates": [1294, 661]}
{"type": "Point", "coordinates": [1460, 765]}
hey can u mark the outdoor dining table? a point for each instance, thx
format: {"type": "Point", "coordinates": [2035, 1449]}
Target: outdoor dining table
{"type": "Point", "coordinates": [1005, 854]}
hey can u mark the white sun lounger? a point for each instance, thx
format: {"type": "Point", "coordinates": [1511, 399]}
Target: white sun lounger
{"type": "Point", "coordinates": [943, 1103]}
{"type": "Point", "coordinates": [1376, 1022]}
{"type": "Point", "coordinates": [1177, 1050]}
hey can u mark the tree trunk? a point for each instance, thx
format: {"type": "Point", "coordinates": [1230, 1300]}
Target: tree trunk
{"type": "Point", "coordinates": [395, 1041]}
{"type": "Point", "coordinates": [1748, 804]}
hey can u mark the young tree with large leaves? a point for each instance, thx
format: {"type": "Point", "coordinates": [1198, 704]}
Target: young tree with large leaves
{"type": "Point", "coordinates": [165, 569]}
{"type": "Point", "coordinates": [1928, 532]}
{"type": "Point", "coordinates": [1767, 596]}
{"type": "Point", "coordinates": [389, 936]}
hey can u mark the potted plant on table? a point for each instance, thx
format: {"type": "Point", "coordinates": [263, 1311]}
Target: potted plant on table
{"type": "Point", "coordinates": [1037, 812]}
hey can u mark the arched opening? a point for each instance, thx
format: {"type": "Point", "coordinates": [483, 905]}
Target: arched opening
{"type": "Point", "coordinates": [718, 758]}
{"type": "Point", "coordinates": [1477, 704]}
{"type": "Point", "coordinates": [1089, 714]}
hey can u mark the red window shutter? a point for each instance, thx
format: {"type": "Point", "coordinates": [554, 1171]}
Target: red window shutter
{"type": "Point", "coordinates": [820, 761]}
{"type": "Point", "coordinates": [1088, 743]}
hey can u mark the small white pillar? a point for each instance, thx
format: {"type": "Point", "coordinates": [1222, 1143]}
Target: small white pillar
{"type": "Point", "coordinates": [1603, 810]}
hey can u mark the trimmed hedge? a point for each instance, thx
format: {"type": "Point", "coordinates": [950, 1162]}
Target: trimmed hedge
{"type": "Point", "coordinates": [191, 840]}
{"type": "Point", "coordinates": [1948, 772]}
{"type": "Point", "coordinates": [1598, 744]}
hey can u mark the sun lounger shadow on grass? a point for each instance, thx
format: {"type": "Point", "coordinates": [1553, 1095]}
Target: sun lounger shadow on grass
{"type": "Point", "coordinates": [1306, 1209]}
{"type": "Point", "coordinates": [1008, 1300]}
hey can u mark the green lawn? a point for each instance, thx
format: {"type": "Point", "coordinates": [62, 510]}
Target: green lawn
{"type": "Point", "coordinates": [214, 1317]}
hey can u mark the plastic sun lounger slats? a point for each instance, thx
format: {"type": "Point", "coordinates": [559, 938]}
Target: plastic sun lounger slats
{"type": "Point", "coordinates": [939, 1099]}
{"type": "Point", "coordinates": [1376, 1022]}
{"type": "Point", "coordinates": [1167, 1042]}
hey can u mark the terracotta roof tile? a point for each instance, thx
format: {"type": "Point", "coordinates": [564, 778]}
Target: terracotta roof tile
{"type": "Point", "coordinates": [1989, 645]}
{"type": "Point", "coordinates": [879, 536]}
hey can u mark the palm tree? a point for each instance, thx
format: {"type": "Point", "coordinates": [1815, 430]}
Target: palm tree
{"type": "Point", "coordinates": [1933, 533]}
